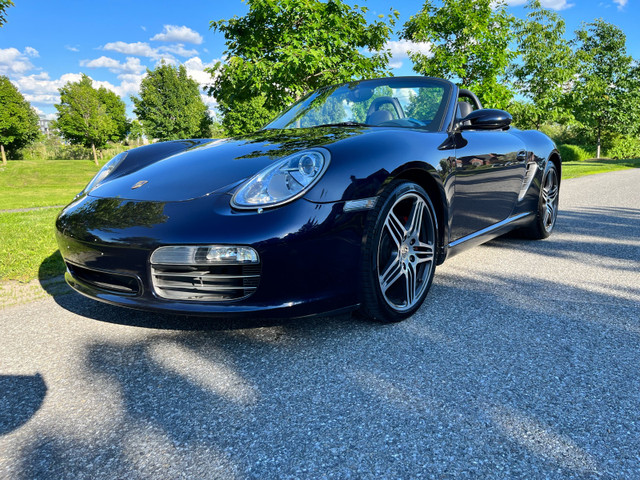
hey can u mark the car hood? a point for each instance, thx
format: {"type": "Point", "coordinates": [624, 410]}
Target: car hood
{"type": "Point", "coordinates": [214, 167]}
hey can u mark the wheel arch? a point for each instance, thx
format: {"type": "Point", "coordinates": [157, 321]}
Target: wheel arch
{"type": "Point", "coordinates": [554, 158]}
{"type": "Point", "coordinates": [431, 183]}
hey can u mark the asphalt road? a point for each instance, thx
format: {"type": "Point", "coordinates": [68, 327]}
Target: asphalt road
{"type": "Point", "coordinates": [523, 363]}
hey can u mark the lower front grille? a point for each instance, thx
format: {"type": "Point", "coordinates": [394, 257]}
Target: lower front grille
{"type": "Point", "coordinates": [107, 281]}
{"type": "Point", "coordinates": [210, 283]}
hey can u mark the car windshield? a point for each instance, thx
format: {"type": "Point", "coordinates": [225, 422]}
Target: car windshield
{"type": "Point", "coordinates": [388, 102]}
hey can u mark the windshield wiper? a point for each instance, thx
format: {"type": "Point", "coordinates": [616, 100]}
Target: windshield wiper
{"type": "Point", "coordinates": [343, 124]}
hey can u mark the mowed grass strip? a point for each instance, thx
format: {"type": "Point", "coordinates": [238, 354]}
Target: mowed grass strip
{"type": "Point", "coordinates": [43, 183]}
{"type": "Point", "coordinates": [589, 167]}
{"type": "Point", "coordinates": [28, 249]}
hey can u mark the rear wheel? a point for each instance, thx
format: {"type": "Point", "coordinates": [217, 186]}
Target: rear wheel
{"type": "Point", "coordinates": [399, 253]}
{"type": "Point", "coordinates": [542, 224]}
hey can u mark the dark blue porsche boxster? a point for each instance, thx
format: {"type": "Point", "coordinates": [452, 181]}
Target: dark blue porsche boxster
{"type": "Point", "coordinates": [348, 200]}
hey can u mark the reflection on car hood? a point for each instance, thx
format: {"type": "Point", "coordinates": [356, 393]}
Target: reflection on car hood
{"type": "Point", "coordinates": [219, 165]}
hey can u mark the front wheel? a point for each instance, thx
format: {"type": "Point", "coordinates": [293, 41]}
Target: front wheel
{"type": "Point", "coordinates": [545, 219]}
{"type": "Point", "coordinates": [399, 253]}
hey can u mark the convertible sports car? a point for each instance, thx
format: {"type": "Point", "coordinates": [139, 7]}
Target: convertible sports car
{"type": "Point", "coordinates": [348, 200]}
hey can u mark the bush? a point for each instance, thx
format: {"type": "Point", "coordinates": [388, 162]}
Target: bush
{"type": "Point", "coordinates": [624, 148]}
{"type": "Point", "coordinates": [574, 153]}
{"type": "Point", "coordinates": [52, 148]}
{"type": "Point", "coordinates": [563, 134]}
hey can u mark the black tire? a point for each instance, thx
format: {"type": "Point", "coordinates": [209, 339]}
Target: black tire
{"type": "Point", "coordinates": [398, 256]}
{"type": "Point", "coordinates": [545, 219]}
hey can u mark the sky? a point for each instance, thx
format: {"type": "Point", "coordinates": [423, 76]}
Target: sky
{"type": "Point", "coordinates": [46, 43]}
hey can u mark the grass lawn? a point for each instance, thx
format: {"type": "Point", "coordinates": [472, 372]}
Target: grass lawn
{"type": "Point", "coordinates": [589, 167]}
{"type": "Point", "coordinates": [28, 248]}
{"type": "Point", "coordinates": [40, 183]}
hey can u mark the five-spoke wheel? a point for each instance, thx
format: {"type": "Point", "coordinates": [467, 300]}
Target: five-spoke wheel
{"type": "Point", "coordinates": [400, 253]}
{"type": "Point", "coordinates": [541, 225]}
{"type": "Point", "coordinates": [549, 194]}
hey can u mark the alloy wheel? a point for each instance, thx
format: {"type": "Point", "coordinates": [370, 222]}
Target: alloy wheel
{"type": "Point", "coordinates": [550, 190]}
{"type": "Point", "coordinates": [406, 252]}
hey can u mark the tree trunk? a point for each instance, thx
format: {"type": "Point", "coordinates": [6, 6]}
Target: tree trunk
{"type": "Point", "coordinates": [598, 148]}
{"type": "Point", "coordinates": [95, 155]}
{"type": "Point", "coordinates": [4, 156]}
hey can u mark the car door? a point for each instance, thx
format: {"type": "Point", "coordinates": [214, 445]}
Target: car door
{"type": "Point", "coordinates": [490, 166]}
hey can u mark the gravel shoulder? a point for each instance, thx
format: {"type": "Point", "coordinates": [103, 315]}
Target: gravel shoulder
{"type": "Point", "coordinates": [522, 363]}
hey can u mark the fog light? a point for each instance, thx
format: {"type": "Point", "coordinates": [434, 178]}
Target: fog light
{"type": "Point", "coordinates": [204, 255]}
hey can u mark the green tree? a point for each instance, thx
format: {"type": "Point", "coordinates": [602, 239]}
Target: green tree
{"type": "Point", "coordinates": [135, 132]}
{"type": "Point", "coordinates": [18, 120]}
{"type": "Point", "coordinates": [605, 92]}
{"type": "Point", "coordinates": [116, 111]}
{"type": "Point", "coordinates": [170, 106]}
{"type": "Point", "coordinates": [4, 4]}
{"type": "Point", "coordinates": [283, 49]}
{"type": "Point", "coordinates": [469, 45]}
{"type": "Point", "coordinates": [545, 67]}
{"type": "Point", "coordinates": [88, 116]}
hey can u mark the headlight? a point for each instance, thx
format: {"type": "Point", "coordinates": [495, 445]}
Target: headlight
{"type": "Point", "coordinates": [105, 171]}
{"type": "Point", "coordinates": [282, 181]}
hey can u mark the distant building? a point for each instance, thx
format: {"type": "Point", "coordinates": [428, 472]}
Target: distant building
{"type": "Point", "coordinates": [45, 126]}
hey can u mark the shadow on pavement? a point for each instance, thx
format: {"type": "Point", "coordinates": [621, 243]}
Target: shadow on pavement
{"type": "Point", "coordinates": [610, 233]}
{"type": "Point", "coordinates": [103, 312]}
{"type": "Point", "coordinates": [20, 398]}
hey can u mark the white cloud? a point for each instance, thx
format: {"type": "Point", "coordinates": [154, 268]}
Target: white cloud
{"type": "Point", "coordinates": [71, 48]}
{"type": "Point", "coordinates": [179, 49]}
{"type": "Point", "coordinates": [132, 64]}
{"type": "Point", "coordinates": [48, 99]}
{"type": "Point", "coordinates": [102, 62]}
{"type": "Point", "coordinates": [107, 85]}
{"type": "Point", "coordinates": [195, 69]}
{"type": "Point", "coordinates": [141, 49]}
{"type": "Point", "coordinates": [168, 59]}
{"type": "Point", "coordinates": [620, 3]}
{"type": "Point", "coordinates": [47, 116]}
{"type": "Point", "coordinates": [174, 33]}
{"type": "Point", "coordinates": [41, 88]}
{"type": "Point", "coordinates": [210, 102]}
{"type": "Point", "coordinates": [400, 50]}
{"type": "Point", "coordinates": [552, 4]}
{"type": "Point", "coordinates": [31, 52]}
{"type": "Point", "coordinates": [129, 84]}
{"type": "Point", "coordinates": [12, 61]}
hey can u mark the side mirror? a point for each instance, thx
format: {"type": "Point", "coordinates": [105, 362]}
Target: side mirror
{"type": "Point", "coordinates": [485, 119]}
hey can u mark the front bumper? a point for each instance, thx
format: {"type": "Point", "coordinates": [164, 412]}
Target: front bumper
{"type": "Point", "coordinates": [309, 252]}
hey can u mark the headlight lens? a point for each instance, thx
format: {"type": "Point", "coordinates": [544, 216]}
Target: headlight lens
{"type": "Point", "coordinates": [105, 171]}
{"type": "Point", "coordinates": [283, 181]}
